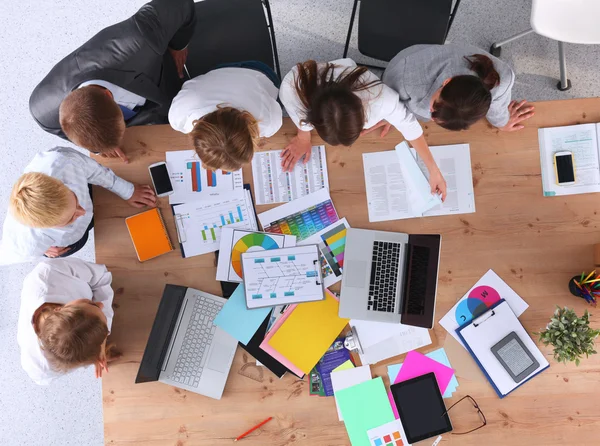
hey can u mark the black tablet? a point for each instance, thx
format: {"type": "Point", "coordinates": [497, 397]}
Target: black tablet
{"type": "Point", "coordinates": [421, 408]}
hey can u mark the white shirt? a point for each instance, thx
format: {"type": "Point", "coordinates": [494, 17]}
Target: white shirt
{"type": "Point", "coordinates": [240, 88]}
{"type": "Point", "coordinates": [120, 95]}
{"type": "Point", "coordinates": [21, 243]}
{"type": "Point", "coordinates": [58, 281]}
{"type": "Point", "coordinates": [380, 101]}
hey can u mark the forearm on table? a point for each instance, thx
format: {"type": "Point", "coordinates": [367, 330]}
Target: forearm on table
{"type": "Point", "coordinates": [422, 148]}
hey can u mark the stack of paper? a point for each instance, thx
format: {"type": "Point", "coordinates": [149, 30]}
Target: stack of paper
{"type": "Point", "coordinates": [342, 379]}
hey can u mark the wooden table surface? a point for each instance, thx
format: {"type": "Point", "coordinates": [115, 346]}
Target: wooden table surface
{"type": "Point", "coordinates": [535, 244]}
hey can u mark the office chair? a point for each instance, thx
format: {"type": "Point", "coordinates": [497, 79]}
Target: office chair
{"type": "Point", "coordinates": [386, 27]}
{"type": "Point", "coordinates": [572, 21]}
{"type": "Point", "coordinates": [230, 31]}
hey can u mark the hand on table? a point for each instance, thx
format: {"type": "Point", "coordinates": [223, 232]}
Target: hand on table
{"type": "Point", "coordinates": [437, 183]}
{"type": "Point", "coordinates": [101, 364]}
{"type": "Point", "coordinates": [519, 112]}
{"type": "Point", "coordinates": [384, 131]}
{"type": "Point", "coordinates": [116, 152]}
{"type": "Point", "coordinates": [179, 56]}
{"type": "Point", "coordinates": [143, 195]}
{"type": "Point", "coordinates": [56, 251]}
{"type": "Point", "coordinates": [298, 147]}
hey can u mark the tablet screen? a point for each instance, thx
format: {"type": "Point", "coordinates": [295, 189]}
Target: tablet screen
{"type": "Point", "coordinates": [420, 406]}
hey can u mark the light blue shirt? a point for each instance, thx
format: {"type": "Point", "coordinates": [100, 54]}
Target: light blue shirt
{"type": "Point", "coordinates": [120, 95]}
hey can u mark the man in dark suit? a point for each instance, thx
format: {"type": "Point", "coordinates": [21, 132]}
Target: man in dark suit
{"type": "Point", "coordinates": [125, 75]}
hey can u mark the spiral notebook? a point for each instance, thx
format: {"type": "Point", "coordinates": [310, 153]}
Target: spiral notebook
{"type": "Point", "coordinates": [148, 234]}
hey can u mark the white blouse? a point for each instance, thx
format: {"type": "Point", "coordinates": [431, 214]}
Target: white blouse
{"type": "Point", "coordinates": [380, 101]}
{"type": "Point", "coordinates": [58, 281]}
{"type": "Point", "coordinates": [241, 88]}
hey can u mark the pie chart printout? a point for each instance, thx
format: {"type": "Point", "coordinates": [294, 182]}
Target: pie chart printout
{"type": "Point", "coordinates": [479, 300]}
{"type": "Point", "coordinates": [250, 242]}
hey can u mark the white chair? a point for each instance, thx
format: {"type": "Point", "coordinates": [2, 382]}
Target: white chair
{"type": "Point", "coordinates": [571, 21]}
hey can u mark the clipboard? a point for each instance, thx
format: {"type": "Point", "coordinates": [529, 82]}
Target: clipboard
{"type": "Point", "coordinates": [482, 333]}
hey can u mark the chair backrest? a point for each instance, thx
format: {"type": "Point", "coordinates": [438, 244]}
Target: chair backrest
{"type": "Point", "coordinates": [573, 21]}
{"type": "Point", "coordinates": [230, 31]}
{"type": "Point", "coordinates": [386, 27]}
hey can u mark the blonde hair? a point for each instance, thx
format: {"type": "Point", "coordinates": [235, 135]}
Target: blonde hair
{"type": "Point", "coordinates": [70, 337]}
{"type": "Point", "coordinates": [226, 138]}
{"type": "Point", "coordinates": [92, 119]}
{"type": "Point", "coordinates": [39, 201]}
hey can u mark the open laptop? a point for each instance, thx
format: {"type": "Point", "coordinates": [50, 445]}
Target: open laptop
{"type": "Point", "coordinates": [390, 277]}
{"type": "Point", "coordinates": [185, 349]}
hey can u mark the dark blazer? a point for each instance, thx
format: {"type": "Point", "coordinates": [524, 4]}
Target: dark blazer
{"type": "Point", "coordinates": [131, 54]}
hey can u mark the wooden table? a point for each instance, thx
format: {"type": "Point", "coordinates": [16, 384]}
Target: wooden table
{"type": "Point", "coordinates": [535, 244]}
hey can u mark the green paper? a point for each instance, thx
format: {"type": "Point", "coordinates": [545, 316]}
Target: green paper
{"type": "Point", "coordinates": [364, 406]}
{"type": "Point", "coordinates": [345, 366]}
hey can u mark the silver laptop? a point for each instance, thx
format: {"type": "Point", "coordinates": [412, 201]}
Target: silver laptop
{"type": "Point", "coordinates": [185, 349]}
{"type": "Point", "coordinates": [390, 277]}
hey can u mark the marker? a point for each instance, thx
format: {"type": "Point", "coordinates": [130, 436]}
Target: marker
{"type": "Point", "coordinates": [253, 429]}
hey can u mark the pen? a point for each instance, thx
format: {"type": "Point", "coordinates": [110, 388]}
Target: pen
{"type": "Point", "coordinates": [253, 429]}
{"type": "Point", "coordinates": [186, 71]}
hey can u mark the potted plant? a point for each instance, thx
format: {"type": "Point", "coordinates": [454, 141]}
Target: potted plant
{"type": "Point", "coordinates": [571, 336]}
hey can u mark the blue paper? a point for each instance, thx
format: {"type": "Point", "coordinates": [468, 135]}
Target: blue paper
{"type": "Point", "coordinates": [438, 355]}
{"type": "Point", "coordinates": [237, 320]}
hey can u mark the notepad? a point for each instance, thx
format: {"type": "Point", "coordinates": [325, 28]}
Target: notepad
{"type": "Point", "coordinates": [148, 234]}
{"type": "Point", "coordinates": [308, 332]}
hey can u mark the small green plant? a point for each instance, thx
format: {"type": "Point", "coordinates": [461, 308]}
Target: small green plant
{"type": "Point", "coordinates": [571, 336]}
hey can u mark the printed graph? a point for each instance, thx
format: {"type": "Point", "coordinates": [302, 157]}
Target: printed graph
{"type": "Point", "coordinates": [305, 223]}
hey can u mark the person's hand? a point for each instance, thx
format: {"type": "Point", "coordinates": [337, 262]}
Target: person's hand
{"type": "Point", "coordinates": [519, 112]}
{"type": "Point", "coordinates": [298, 147]}
{"type": "Point", "coordinates": [112, 353]}
{"type": "Point", "coordinates": [56, 251]}
{"type": "Point", "coordinates": [116, 152]}
{"type": "Point", "coordinates": [101, 364]}
{"type": "Point", "coordinates": [437, 183]}
{"type": "Point", "coordinates": [383, 123]}
{"type": "Point", "coordinates": [179, 56]}
{"type": "Point", "coordinates": [143, 195]}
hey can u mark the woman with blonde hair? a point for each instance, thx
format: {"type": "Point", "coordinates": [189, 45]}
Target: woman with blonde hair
{"type": "Point", "coordinates": [65, 317]}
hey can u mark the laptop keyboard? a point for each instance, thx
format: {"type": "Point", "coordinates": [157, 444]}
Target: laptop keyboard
{"type": "Point", "coordinates": [417, 280]}
{"type": "Point", "coordinates": [384, 276]}
{"type": "Point", "coordinates": [196, 343]}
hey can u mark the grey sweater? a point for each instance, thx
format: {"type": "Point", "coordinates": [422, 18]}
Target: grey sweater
{"type": "Point", "coordinates": [417, 72]}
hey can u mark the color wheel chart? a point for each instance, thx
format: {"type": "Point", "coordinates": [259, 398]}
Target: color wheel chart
{"type": "Point", "coordinates": [253, 241]}
{"type": "Point", "coordinates": [305, 223]}
{"type": "Point", "coordinates": [477, 302]}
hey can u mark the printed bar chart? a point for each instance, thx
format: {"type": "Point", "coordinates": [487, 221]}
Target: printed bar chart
{"type": "Point", "coordinates": [194, 168]}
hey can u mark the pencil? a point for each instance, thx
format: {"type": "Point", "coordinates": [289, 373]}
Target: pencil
{"type": "Point", "coordinates": [253, 429]}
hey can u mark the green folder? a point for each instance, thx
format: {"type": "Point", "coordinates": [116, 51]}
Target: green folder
{"type": "Point", "coordinates": [364, 406]}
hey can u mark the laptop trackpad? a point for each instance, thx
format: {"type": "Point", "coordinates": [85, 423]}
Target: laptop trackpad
{"type": "Point", "coordinates": [219, 357]}
{"type": "Point", "coordinates": [356, 273]}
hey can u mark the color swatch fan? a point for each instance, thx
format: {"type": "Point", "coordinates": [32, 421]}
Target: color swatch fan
{"type": "Point", "coordinates": [235, 242]}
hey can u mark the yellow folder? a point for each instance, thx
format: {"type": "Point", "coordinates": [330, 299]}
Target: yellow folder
{"type": "Point", "coordinates": [308, 332]}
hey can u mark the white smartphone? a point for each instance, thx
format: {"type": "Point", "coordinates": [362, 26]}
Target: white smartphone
{"type": "Point", "coordinates": [564, 167]}
{"type": "Point", "coordinates": [161, 179]}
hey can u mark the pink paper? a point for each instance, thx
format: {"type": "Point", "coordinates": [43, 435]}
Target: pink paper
{"type": "Point", "coordinates": [274, 353]}
{"type": "Point", "coordinates": [415, 364]}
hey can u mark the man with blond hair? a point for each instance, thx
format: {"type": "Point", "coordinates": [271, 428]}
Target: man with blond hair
{"type": "Point", "coordinates": [126, 75]}
{"type": "Point", "coordinates": [51, 209]}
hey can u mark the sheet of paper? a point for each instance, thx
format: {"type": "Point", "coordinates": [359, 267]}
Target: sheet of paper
{"type": "Point", "coordinates": [345, 366]}
{"type": "Point", "coordinates": [273, 185]}
{"type": "Point", "coordinates": [192, 182]}
{"type": "Point", "coordinates": [282, 276]}
{"type": "Point", "coordinates": [582, 141]}
{"type": "Point", "coordinates": [390, 434]}
{"type": "Point", "coordinates": [277, 312]}
{"type": "Point", "coordinates": [342, 379]}
{"type": "Point", "coordinates": [235, 242]}
{"type": "Point", "coordinates": [332, 243]}
{"type": "Point", "coordinates": [199, 223]}
{"type": "Point", "coordinates": [420, 198]}
{"type": "Point", "coordinates": [302, 217]}
{"type": "Point", "coordinates": [411, 339]}
{"type": "Point", "coordinates": [237, 320]}
{"type": "Point", "coordinates": [486, 292]}
{"type": "Point", "coordinates": [308, 332]}
{"type": "Point", "coordinates": [364, 406]}
{"type": "Point", "coordinates": [371, 333]}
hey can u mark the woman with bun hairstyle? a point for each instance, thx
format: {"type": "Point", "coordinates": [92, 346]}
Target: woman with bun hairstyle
{"type": "Point", "coordinates": [455, 86]}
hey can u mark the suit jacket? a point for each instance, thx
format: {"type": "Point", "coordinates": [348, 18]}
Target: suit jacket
{"type": "Point", "coordinates": [417, 72]}
{"type": "Point", "coordinates": [131, 54]}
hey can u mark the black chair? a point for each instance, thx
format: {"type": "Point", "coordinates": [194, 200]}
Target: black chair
{"type": "Point", "coordinates": [230, 31]}
{"type": "Point", "coordinates": [386, 27]}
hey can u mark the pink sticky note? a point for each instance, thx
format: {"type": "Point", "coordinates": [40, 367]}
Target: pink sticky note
{"type": "Point", "coordinates": [274, 353]}
{"type": "Point", "coordinates": [415, 364]}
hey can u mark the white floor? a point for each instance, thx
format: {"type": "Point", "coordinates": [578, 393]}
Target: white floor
{"type": "Point", "coordinates": [36, 34]}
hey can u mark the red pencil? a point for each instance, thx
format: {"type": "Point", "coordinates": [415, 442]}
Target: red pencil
{"type": "Point", "coordinates": [253, 429]}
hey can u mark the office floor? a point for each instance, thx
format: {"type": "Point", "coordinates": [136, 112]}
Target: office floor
{"type": "Point", "coordinates": [38, 34]}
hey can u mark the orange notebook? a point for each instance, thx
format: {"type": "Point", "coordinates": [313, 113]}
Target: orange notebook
{"type": "Point", "coordinates": [148, 234]}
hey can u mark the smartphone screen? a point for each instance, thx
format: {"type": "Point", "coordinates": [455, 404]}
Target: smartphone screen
{"type": "Point", "coordinates": [564, 169]}
{"type": "Point", "coordinates": [160, 177]}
